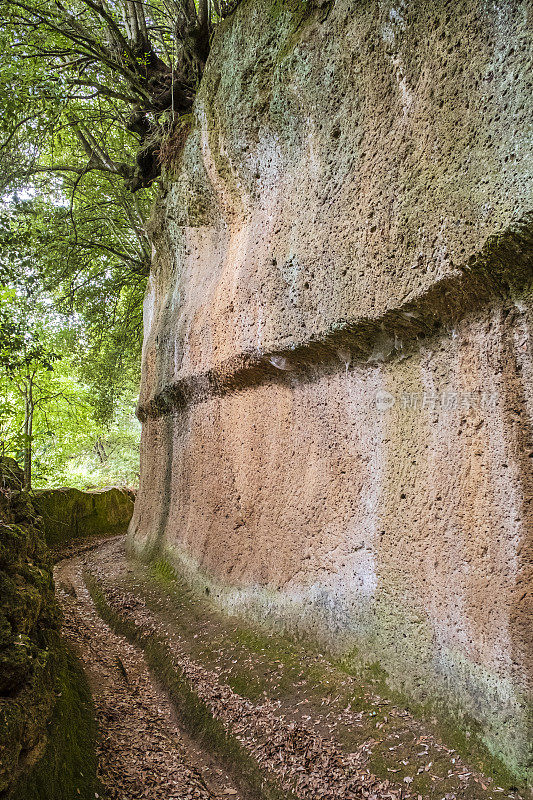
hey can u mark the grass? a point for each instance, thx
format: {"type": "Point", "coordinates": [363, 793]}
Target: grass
{"type": "Point", "coordinates": [67, 769]}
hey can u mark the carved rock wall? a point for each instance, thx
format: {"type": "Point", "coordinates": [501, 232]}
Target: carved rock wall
{"type": "Point", "coordinates": [69, 514]}
{"type": "Point", "coordinates": [337, 390]}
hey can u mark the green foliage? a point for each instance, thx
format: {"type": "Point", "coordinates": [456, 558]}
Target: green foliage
{"type": "Point", "coordinates": [98, 456]}
{"type": "Point", "coordinates": [78, 351]}
{"type": "Point", "coordinates": [89, 262]}
{"type": "Point", "coordinates": [23, 349]}
{"type": "Point", "coordinates": [70, 446]}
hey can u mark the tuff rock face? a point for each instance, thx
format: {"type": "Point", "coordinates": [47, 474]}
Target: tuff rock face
{"type": "Point", "coordinates": [337, 389]}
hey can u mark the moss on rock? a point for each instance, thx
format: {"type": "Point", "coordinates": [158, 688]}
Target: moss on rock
{"type": "Point", "coordinates": [72, 514]}
{"type": "Point", "coordinates": [11, 475]}
{"type": "Point", "coordinates": [67, 768]}
{"type": "Point", "coordinates": [29, 636]}
{"type": "Point", "coordinates": [46, 721]}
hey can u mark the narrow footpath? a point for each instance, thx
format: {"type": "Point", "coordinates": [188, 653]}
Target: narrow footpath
{"type": "Point", "coordinates": [192, 704]}
{"type": "Point", "coordinates": [142, 752]}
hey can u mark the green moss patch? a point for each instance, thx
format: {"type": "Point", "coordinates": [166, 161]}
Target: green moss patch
{"type": "Point", "coordinates": [67, 769]}
{"type": "Point", "coordinates": [70, 514]}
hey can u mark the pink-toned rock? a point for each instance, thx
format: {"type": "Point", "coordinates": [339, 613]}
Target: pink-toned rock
{"type": "Point", "coordinates": [337, 389]}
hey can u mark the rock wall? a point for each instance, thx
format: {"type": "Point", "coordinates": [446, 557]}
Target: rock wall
{"type": "Point", "coordinates": [337, 387]}
{"type": "Point", "coordinates": [29, 631]}
{"type": "Point", "coordinates": [47, 725]}
{"type": "Point", "coordinates": [69, 514]}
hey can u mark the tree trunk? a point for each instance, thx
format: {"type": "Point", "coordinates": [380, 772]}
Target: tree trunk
{"type": "Point", "coordinates": [99, 447]}
{"type": "Point", "coordinates": [28, 433]}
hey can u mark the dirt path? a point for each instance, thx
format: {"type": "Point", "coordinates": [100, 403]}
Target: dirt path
{"type": "Point", "coordinates": [142, 752]}
{"type": "Point", "coordinates": [307, 727]}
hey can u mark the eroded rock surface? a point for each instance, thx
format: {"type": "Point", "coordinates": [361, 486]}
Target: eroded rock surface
{"type": "Point", "coordinates": [29, 638]}
{"type": "Point", "coordinates": [70, 514]}
{"type": "Point", "coordinates": [337, 388]}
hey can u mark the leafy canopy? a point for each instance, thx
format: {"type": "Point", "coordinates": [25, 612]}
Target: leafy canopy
{"type": "Point", "coordinates": [89, 92]}
{"type": "Point", "coordinates": [96, 84]}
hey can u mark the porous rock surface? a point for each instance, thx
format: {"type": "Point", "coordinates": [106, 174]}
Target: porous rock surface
{"type": "Point", "coordinates": [337, 387]}
{"type": "Point", "coordinates": [69, 514]}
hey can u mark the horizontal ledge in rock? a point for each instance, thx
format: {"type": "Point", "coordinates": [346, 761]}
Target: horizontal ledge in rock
{"type": "Point", "coordinates": [504, 263]}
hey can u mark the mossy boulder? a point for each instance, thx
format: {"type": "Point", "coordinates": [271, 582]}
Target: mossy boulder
{"type": "Point", "coordinates": [69, 514]}
{"type": "Point", "coordinates": [47, 724]}
{"type": "Point", "coordinates": [29, 639]}
{"type": "Point", "coordinates": [66, 763]}
{"type": "Point", "coordinates": [11, 475]}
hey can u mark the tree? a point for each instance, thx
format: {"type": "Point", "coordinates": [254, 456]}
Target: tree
{"type": "Point", "coordinates": [111, 78]}
{"type": "Point", "coordinates": [89, 263]}
{"type": "Point", "coordinates": [51, 419]}
{"type": "Point", "coordinates": [70, 336]}
{"type": "Point", "coordinates": [24, 359]}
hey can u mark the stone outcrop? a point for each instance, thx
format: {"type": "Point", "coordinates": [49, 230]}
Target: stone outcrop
{"type": "Point", "coordinates": [29, 638]}
{"type": "Point", "coordinates": [11, 474]}
{"type": "Point", "coordinates": [47, 724]}
{"type": "Point", "coordinates": [337, 389]}
{"type": "Point", "coordinates": [69, 514]}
